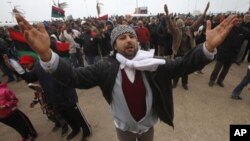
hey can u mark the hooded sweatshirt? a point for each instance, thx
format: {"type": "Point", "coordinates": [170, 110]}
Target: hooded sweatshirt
{"type": "Point", "coordinates": [7, 99]}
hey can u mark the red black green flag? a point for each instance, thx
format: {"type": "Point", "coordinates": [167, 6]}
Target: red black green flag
{"type": "Point", "coordinates": [57, 12]}
{"type": "Point", "coordinates": [20, 43]}
{"type": "Point", "coordinates": [22, 48]}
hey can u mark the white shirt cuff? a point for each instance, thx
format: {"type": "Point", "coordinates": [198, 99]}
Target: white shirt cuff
{"type": "Point", "coordinates": [208, 54]}
{"type": "Point", "coordinates": [51, 65]}
{"type": "Point", "coordinates": [15, 65]}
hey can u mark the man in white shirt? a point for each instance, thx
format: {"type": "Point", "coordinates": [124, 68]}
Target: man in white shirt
{"type": "Point", "coordinates": [68, 34]}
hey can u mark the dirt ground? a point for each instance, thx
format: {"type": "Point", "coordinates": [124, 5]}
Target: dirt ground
{"type": "Point", "coordinates": [202, 113]}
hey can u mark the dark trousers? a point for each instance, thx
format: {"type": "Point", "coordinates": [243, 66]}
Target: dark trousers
{"type": "Point", "coordinates": [145, 46]}
{"type": "Point", "coordinates": [21, 123]}
{"type": "Point", "coordinates": [79, 57]}
{"type": "Point", "coordinates": [58, 119]}
{"type": "Point", "coordinates": [6, 70]}
{"type": "Point", "coordinates": [154, 45]}
{"type": "Point", "coordinates": [76, 119]}
{"type": "Point", "coordinates": [244, 82]}
{"type": "Point", "coordinates": [161, 50]}
{"type": "Point", "coordinates": [76, 59]}
{"type": "Point", "coordinates": [246, 53]}
{"type": "Point", "coordinates": [184, 80]}
{"type": "Point", "coordinates": [222, 68]}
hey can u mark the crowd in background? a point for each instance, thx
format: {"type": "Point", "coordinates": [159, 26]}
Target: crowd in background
{"type": "Point", "coordinates": [89, 39]}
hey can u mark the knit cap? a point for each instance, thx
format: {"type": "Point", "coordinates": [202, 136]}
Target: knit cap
{"type": "Point", "coordinates": [119, 30]}
{"type": "Point", "coordinates": [26, 59]}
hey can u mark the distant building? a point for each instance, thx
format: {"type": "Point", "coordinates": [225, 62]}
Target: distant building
{"type": "Point", "coordinates": [141, 10]}
{"type": "Point", "coordinates": [197, 12]}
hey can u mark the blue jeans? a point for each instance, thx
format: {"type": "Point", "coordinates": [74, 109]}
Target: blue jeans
{"type": "Point", "coordinates": [237, 90]}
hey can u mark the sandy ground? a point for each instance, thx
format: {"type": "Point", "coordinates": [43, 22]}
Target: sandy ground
{"type": "Point", "coordinates": [201, 114]}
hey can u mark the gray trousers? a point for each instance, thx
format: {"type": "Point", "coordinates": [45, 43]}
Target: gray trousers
{"type": "Point", "coordinates": [129, 136]}
{"type": "Point", "coordinates": [242, 51]}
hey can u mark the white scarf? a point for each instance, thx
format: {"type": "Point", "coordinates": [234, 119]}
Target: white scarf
{"type": "Point", "coordinates": [143, 61]}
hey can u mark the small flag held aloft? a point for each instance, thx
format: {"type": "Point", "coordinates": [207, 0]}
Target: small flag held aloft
{"type": "Point", "coordinates": [57, 12]}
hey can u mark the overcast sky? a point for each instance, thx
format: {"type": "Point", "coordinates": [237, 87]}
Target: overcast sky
{"type": "Point", "coordinates": [39, 10]}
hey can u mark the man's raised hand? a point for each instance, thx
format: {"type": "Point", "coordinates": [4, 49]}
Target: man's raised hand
{"type": "Point", "coordinates": [166, 9]}
{"type": "Point", "coordinates": [214, 37]}
{"type": "Point", "coordinates": [205, 11]}
{"type": "Point", "coordinates": [37, 38]}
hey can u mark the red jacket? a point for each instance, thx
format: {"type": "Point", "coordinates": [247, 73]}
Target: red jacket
{"type": "Point", "coordinates": [7, 99]}
{"type": "Point", "coordinates": [143, 34]}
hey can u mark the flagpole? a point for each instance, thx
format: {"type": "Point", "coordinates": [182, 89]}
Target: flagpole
{"type": "Point", "coordinates": [11, 6]}
{"type": "Point", "coordinates": [136, 7]}
{"type": "Point", "coordinates": [98, 8]}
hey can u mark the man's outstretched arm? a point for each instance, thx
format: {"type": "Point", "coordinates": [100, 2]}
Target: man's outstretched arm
{"type": "Point", "coordinates": [39, 40]}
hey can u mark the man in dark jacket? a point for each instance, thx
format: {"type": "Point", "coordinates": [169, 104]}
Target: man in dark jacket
{"type": "Point", "coordinates": [136, 85]}
{"type": "Point", "coordinates": [4, 51]}
{"type": "Point", "coordinates": [227, 53]}
{"type": "Point", "coordinates": [153, 34]}
{"type": "Point", "coordinates": [63, 99]}
{"type": "Point", "coordinates": [245, 47]}
{"type": "Point", "coordinates": [164, 39]}
{"type": "Point", "coordinates": [89, 42]}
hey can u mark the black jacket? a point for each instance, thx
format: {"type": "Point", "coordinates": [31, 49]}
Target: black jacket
{"type": "Point", "coordinates": [60, 96]}
{"type": "Point", "coordinates": [89, 44]}
{"type": "Point", "coordinates": [153, 33]}
{"type": "Point", "coordinates": [229, 49]}
{"type": "Point", "coordinates": [104, 74]}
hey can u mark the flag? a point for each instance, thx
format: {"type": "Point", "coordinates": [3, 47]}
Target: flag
{"type": "Point", "coordinates": [104, 17]}
{"type": "Point", "coordinates": [57, 12]}
{"type": "Point", "coordinates": [62, 49]}
{"type": "Point", "coordinates": [22, 48]}
{"type": "Point", "coordinates": [20, 43]}
{"type": "Point", "coordinates": [98, 7]}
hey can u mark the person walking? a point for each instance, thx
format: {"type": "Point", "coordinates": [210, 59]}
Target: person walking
{"type": "Point", "coordinates": [227, 53]}
{"type": "Point", "coordinates": [238, 89]}
{"type": "Point", "coordinates": [62, 98]}
{"type": "Point", "coordinates": [11, 116]}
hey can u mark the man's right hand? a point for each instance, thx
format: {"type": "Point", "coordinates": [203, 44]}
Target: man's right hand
{"type": "Point", "coordinates": [37, 38]}
{"type": "Point", "coordinates": [215, 36]}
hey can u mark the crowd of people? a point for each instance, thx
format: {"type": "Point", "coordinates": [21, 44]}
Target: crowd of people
{"type": "Point", "coordinates": [117, 55]}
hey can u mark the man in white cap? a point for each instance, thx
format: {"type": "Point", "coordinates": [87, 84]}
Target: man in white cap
{"type": "Point", "coordinates": [136, 85]}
